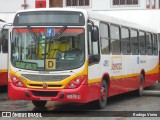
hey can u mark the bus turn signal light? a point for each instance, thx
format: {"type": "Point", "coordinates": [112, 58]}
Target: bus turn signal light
{"type": "Point", "coordinates": [16, 81]}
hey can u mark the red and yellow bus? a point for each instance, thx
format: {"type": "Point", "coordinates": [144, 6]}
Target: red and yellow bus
{"type": "Point", "coordinates": [4, 35]}
{"type": "Point", "coordinates": [74, 55]}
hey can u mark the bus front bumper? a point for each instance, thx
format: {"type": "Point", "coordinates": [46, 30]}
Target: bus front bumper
{"type": "Point", "coordinates": [78, 95]}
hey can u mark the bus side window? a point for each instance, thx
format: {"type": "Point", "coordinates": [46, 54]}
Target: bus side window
{"type": "Point", "coordinates": [134, 42]}
{"type": "Point", "coordinates": [142, 43]}
{"type": "Point", "coordinates": [125, 41]}
{"type": "Point", "coordinates": [155, 45]}
{"type": "Point", "coordinates": [5, 41]}
{"type": "Point", "coordinates": [104, 36]}
{"type": "Point", "coordinates": [149, 43]}
{"type": "Point", "coordinates": [93, 47]}
{"type": "Point", "coordinates": [115, 40]}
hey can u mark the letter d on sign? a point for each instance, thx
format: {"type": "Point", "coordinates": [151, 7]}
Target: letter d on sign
{"type": "Point", "coordinates": [50, 64]}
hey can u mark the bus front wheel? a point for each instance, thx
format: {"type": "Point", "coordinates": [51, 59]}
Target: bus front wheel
{"type": "Point", "coordinates": [141, 85]}
{"type": "Point", "coordinates": [101, 103]}
{"type": "Point", "coordinates": [39, 103]}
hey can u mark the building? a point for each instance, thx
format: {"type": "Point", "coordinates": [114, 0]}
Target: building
{"type": "Point", "coordinates": [56, 3]}
{"type": "Point", "coordinates": [9, 7]}
{"type": "Point", "coordinates": [14, 5]}
{"type": "Point", "coordinates": [112, 4]}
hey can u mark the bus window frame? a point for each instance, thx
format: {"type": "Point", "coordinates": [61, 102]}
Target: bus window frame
{"type": "Point", "coordinates": [144, 41]}
{"type": "Point", "coordinates": [109, 39]}
{"type": "Point", "coordinates": [132, 29]}
{"type": "Point", "coordinates": [93, 58]}
{"type": "Point", "coordinates": [154, 34]}
{"type": "Point", "coordinates": [115, 25]}
{"type": "Point", "coordinates": [128, 40]}
{"type": "Point", "coordinates": [151, 43]}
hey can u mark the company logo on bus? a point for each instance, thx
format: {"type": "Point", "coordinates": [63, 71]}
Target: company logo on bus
{"type": "Point", "coordinates": [44, 85]}
{"type": "Point", "coordinates": [117, 66]}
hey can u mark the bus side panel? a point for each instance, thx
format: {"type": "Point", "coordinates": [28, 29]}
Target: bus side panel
{"type": "Point", "coordinates": [129, 80]}
{"type": "Point", "coordinates": [3, 69]}
{"type": "Point", "coordinates": [151, 79]}
{"type": "Point", "coordinates": [151, 73]}
{"type": "Point", "coordinates": [3, 78]}
{"type": "Point", "coordinates": [4, 57]}
{"type": "Point", "coordinates": [130, 68]}
{"type": "Point", "coordinates": [119, 86]}
{"type": "Point", "coordinates": [94, 77]}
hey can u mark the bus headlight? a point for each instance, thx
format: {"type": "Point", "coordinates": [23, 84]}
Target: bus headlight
{"type": "Point", "coordinates": [75, 83]}
{"type": "Point", "coordinates": [16, 81]}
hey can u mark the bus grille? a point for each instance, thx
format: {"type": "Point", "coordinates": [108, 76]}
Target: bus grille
{"type": "Point", "coordinates": [45, 78]}
{"type": "Point", "coordinates": [45, 93]}
{"type": "Point", "coordinates": [40, 85]}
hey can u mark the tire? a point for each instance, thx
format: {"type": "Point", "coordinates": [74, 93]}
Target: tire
{"type": "Point", "coordinates": [141, 86]}
{"type": "Point", "coordinates": [39, 103]}
{"type": "Point", "coordinates": [101, 103]}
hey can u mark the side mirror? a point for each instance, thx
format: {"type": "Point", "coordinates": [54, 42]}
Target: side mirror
{"type": "Point", "coordinates": [95, 34]}
{"type": "Point", "coordinates": [94, 59]}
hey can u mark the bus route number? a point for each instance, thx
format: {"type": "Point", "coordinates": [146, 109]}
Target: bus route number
{"type": "Point", "coordinates": [50, 64]}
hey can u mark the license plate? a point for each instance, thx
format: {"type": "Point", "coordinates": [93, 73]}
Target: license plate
{"type": "Point", "coordinates": [45, 99]}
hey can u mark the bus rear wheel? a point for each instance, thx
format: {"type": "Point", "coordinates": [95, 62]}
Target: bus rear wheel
{"type": "Point", "coordinates": [101, 103]}
{"type": "Point", "coordinates": [141, 85]}
{"type": "Point", "coordinates": [39, 103]}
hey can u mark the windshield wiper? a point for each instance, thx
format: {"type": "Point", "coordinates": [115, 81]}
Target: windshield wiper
{"type": "Point", "coordinates": [34, 35]}
{"type": "Point", "coordinates": [59, 33]}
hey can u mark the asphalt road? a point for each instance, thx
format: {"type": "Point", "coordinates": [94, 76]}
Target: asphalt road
{"type": "Point", "coordinates": [118, 108]}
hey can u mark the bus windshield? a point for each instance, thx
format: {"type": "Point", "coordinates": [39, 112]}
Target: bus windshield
{"type": "Point", "coordinates": [53, 49]}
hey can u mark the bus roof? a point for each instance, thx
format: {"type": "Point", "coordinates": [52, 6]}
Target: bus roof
{"type": "Point", "coordinates": [108, 16]}
{"type": "Point", "coordinates": [54, 9]}
{"type": "Point", "coordinates": [149, 18]}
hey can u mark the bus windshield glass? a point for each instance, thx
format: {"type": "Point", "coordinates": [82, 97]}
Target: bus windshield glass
{"type": "Point", "coordinates": [49, 48]}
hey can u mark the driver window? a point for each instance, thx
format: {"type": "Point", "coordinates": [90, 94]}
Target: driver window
{"type": "Point", "coordinates": [93, 48]}
{"type": "Point", "coordinates": [93, 45]}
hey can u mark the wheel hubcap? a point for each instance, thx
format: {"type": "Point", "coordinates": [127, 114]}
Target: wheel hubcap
{"type": "Point", "coordinates": [103, 93]}
{"type": "Point", "coordinates": [141, 86]}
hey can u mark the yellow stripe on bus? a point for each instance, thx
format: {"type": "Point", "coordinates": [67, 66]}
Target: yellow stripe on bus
{"type": "Point", "coordinates": [94, 80]}
{"type": "Point", "coordinates": [152, 71]}
{"type": "Point", "coordinates": [3, 70]}
{"type": "Point", "coordinates": [116, 56]}
{"type": "Point", "coordinates": [85, 72]}
{"type": "Point", "coordinates": [64, 82]}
